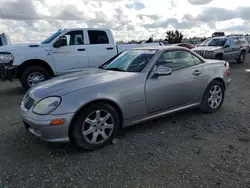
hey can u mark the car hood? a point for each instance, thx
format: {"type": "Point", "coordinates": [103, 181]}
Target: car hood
{"type": "Point", "coordinates": [13, 47]}
{"type": "Point", "coordinates": [63, 85]}
{"type": "Point", "coordinates": [206, 48]}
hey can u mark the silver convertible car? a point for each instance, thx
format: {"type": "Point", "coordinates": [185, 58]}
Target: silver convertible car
{"type": "Point", "coordinates": [90, 107]}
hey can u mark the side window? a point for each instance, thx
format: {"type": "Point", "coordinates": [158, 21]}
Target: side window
{"type": "Point", "coordinates": [74, 38]}
{"type": "Point", "coordinates": [1, 42]}
{"type": "Point", "coordinates": [176, 60]}
{"type": "Point", "coordinates": [228, 42]}
{"type": "Point", "coordinates": [243, 41]}
{"type": "Point", "coordinates": [98, 37]}
{"type": "Point", "coordinates": [237, 42]}
{"type": "Point", "coordinates": [232, 43]}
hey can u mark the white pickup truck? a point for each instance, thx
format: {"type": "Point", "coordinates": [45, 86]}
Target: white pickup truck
{"type": "Point", "coordinates": [66, 51]}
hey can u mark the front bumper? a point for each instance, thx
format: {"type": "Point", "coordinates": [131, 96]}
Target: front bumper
{"type": "Point", "coordinates": [40, 126]}
{"type": "Point", "coordinates": [8, 72]}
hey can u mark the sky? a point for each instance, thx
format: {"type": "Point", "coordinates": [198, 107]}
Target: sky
{"type": "Point", "coordinates": [34, 20]}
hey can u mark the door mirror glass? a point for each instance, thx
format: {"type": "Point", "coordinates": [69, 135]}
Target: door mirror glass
{"type": "Point", "coordinates": [226, 46]}
{"type": "Point", "coordinates": [62, 41]}
{"type": "Point", "coordinates": [162, 71]}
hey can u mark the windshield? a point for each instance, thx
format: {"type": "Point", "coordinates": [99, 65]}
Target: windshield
{"type": "Point", "coordinates": [131, 61]}
{"type": "Point", "coordinates": [215, 42]}
{"type": "Point", "coordinates": [52, 37]}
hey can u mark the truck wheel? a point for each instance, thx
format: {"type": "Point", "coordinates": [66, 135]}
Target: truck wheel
{"type": "Point", "coordinates": [32, 76]}
{"type": "Point", "coordinates": [241, 58]}
{"type": "Point", "coordinates": [219, 57]}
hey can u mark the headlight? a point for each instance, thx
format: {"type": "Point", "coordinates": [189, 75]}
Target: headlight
{"type": "Point", "coordinates": [47, 105]}
{"type": "Point", "coordinates": [209, 53]}
{"type": "Point", "coordinates": [6, 57]}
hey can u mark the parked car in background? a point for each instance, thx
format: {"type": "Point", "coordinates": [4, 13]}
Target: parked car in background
{"type": "Point", "coordinates": [222, 48]}
{"type": "Point", "coordinates": [186, 45]}
{"type": "Point", "coordinates": [90, 107]}
{"type": "Point", "coordinates": [65, 51]}
{"type": "Point", "coordinates": [248, 40]}
{"type": "Point", "coordinates": [4, 39]}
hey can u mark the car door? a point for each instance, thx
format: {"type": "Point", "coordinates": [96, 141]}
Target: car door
{"type": "Point", "coordinates": [72, 57]}
{"type": "Point", "coordinates": [229, 51]}
{"type": "Point", "coordinates": [184, 86]}
{"type": "Point", "coordinates": [237, 47]}
{"type": "Point", "coordinates": [100, 48]}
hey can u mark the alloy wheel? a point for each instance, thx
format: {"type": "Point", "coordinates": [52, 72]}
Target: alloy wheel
{"type": "Point", "coordinates": [98, 127]}
{"type": "Point", "coordinates": [215, 97]}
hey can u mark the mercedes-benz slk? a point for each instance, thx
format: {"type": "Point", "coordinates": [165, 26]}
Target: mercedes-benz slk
{"type": "Point", "coordinates": [90, 107]}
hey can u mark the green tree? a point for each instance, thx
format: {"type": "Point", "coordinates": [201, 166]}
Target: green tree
{"type": "Point", "coordinates": [174, 37]}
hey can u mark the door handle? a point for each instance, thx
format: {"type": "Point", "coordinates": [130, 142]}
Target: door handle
{"type": "Point", "coordinates": [82, 49]}
{"type": "Point", "coordinates": [197, 73]}
{"type": "Point", "coordinates": [110, 48]}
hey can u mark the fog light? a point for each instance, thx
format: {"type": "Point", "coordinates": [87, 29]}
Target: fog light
{"type": "Point", "coordinates": [57, 122]}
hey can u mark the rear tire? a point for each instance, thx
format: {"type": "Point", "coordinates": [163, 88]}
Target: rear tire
{"type": "Point", "coordinates": [213, 97]}
{"type": "Point", "coordinates": [35, 72]}
{"type": "Point", "coordinates": [91, 131]}
{"type": "Point", "coordinates": [241, 58]}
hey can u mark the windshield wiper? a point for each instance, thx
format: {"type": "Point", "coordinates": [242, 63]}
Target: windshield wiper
{"type": "Point", "coordinates": [115, 69]}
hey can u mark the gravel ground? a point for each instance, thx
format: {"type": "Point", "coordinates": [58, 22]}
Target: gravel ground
{"type": "Point", "coordinates": [189, 149]}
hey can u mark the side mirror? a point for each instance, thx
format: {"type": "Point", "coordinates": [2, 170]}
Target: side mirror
{"type": "Point", "coordinates": [62, 41]}
{"type": "Point", "coordinates": [226, 46]}
{"type": "Point", "coordinates": [162, 71]}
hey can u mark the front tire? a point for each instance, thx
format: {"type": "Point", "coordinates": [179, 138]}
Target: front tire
{"type": "Point", "coordinates": [32, 76]}
{"type": "Point", "coordinates": [219, 57]}
{"type": "Point", "coordinates": [213, 97]}
{"type": "Point", "coordinates": [95, 126]}
{"type": "Point", "coordinates": [241, 58]}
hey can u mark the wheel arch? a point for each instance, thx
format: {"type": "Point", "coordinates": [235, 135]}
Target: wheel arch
{"type": "Point", "coordinates": [107, 101]}
{"type": "Point", "coordinates": [215, 79]}
{"type": "Point", "coordinates": [35, 62]}
{"type": "Point", "coordinates": [244, 51]}
{"type": "Point", "coordinates": [219, 54]}
{"type": "Point", "coordinates": [220, 80]}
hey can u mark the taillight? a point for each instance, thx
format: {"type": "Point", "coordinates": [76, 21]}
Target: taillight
{"type": "Point", "coordinates": [227, 65]}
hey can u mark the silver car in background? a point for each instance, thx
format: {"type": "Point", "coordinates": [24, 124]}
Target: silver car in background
{"type": "Point", "coordinates": [90, 107]}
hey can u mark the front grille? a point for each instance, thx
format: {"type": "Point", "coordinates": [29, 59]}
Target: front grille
{"type": "Point", "coordinates": [28, 102]}
{"type": "Point", "coordinates": [201, 53]}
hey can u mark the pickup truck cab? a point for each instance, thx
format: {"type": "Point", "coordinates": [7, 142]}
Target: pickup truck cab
{"type": "Point", "coordinates": [223, 48]}
{"type": "Point", "coordinates": [65, 51]}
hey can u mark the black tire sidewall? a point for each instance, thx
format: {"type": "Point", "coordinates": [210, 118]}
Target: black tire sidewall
{"type": "Point", "coordinates": [239, 59]}
{"type": "Point", "coordinates": [76, 132]}
{"type": "Point", "coordinates": [204, 105]}
{"type": "Point", "coordinates": [219, 57]}
{"type": "Point", "coordinates": [27, 72]}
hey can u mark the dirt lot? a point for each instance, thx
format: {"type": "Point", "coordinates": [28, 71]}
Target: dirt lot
{"type": "Point", "coordinates": [189, 149]}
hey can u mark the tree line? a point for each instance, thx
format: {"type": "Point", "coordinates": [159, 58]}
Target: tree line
{"type": "Point", "coordinates": [175, 36]}
{"type": "Point", "coordinates": [172, 37]}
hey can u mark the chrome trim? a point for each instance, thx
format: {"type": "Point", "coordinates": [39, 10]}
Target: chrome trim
{"type": "Point", "coordinates": [159, 114]}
